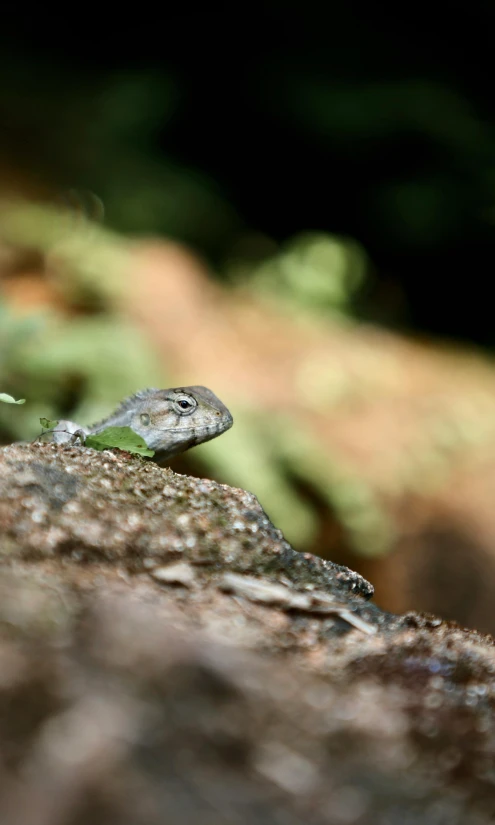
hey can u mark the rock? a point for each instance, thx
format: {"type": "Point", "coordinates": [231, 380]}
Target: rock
{"type": "Point", "coordinates": [266, 687]}
{"type": "Point", "coordinates": [179, 573]}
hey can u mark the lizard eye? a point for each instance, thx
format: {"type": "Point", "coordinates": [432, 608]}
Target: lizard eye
{"type": "Point", "coordinates": [145, 419]}
{"type": "Point", "coordinates": [185, 404]}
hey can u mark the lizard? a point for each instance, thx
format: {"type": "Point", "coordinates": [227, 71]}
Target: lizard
{"type": "Point", "coordinates": [170, 421]}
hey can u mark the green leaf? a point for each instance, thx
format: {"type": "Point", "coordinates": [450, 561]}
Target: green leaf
{"type": "Point", "coordinates": [9, 400]}
{"type": "Point", "coordinates": [122, 437]}
{"type": "Point", "coordinates": [47, 424]}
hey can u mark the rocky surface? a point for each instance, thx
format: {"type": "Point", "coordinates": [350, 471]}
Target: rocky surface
{"type": "Point", "coordinates": [165, 656]}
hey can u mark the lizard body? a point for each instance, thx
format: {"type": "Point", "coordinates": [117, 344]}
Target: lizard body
{"type": "Point", "coordinates": [169, 421]}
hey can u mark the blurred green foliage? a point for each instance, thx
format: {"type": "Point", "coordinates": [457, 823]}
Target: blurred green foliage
{"type": "Point", "coordinates": [313, 272]}
{"type": "Point", "coordinates": [73, 366]}
{"type": "Point", "coordinates": [79, 367]}
{"type": "Point", "coordinates": [87, 261]}
{"type": "Point", "coordinates": [8, 399]}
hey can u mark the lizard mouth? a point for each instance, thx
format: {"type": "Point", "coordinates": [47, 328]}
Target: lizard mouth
{"type": "Point", "coordinates": [216, 428]}
{"type": "Point", "coordinates": [187, 437]}
{"type": "Point", "coordinates": [210, 429]}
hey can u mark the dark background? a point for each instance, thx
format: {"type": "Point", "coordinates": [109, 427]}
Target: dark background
{"type": "Point", "coordinates": [377, 123]}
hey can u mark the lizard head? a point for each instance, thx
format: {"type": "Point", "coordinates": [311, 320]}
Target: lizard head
{"type": "Point", "coordinates": [171, 421]}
